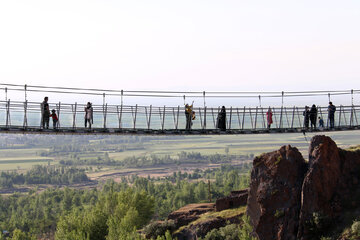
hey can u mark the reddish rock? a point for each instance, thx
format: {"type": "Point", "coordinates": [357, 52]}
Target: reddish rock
{"type": "Point", "coordinates": [328, 184]}
{"type": "Point", "coordinates": [235, 199]}
{"type": "Point", "coordinates": [189, 213]}
{"type": "Point", "coordinates": [275, 193]}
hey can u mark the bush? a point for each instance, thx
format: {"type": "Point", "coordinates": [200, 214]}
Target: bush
{"type": "Point", "coordinates": [156, 229]}
{"type": "Point", "coordinates": [319, 224]}
{"type": "Point", "coordinates": [229, 232]}
{"type": "Point", "coordinates": [355, 229]}
{"type": "Point", "coordinates": [246, 229]}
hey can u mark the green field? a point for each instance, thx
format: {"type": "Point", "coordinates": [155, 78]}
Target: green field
{"type": "Point", "coordinates": [24, 157]}
{"type": "Point", "coordinates": [237, 144]}
{"type": "Point", "coordinates": [11, 159]}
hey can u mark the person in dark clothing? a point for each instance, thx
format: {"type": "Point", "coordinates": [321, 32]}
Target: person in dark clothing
{"type": "Point", "coordinates": [221, 119]}
{"type": "Point", "coordinates": [189, 115]}
{"type": "Point", "coordinates": [89, 115]}
{"type": "Point", "coordinates": [321, 123]}
{"type": "Point", "coordinates": [306, 115]}
{"type": "Point", "coordinates": [45, 113]}
{"type": "Point", "coordinates": [331, 114]}
{"type": "Point", "coordinates": [313, 115]}
{"type": "Point", "coordinates": [54, 118]}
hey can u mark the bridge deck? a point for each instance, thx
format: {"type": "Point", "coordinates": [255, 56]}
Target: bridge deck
{"type": "Point", "coordinates": [116, 131]}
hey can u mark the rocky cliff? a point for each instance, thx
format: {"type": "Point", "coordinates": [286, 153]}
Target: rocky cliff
{"type": "Point", "coordinates": [292, 199]}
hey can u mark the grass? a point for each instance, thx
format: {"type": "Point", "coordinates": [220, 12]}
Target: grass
{"type": "Point", "coordinates": [226, 214]}
{"type": "Point", "coordinates": [25, 158]}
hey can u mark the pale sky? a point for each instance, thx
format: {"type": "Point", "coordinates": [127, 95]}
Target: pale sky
{"type": "Point", "coordinates": [182, 45]}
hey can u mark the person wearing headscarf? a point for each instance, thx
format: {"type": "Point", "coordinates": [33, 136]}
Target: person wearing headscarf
{"type": "Point", "coordinates": [221, 119]}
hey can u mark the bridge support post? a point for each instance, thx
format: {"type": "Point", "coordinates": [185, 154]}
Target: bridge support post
{"type": "Point", "coordinates": [163, 120]}
{"type": "Point", "coordinates": [201, 122]}
{"type": "Point", "coordinates": [252, 123]}
{"type": "Point", "coordinates": [230, 118]}
{"type": "Point", "coordinates": [357, 123]}
{"type": "Point", "coordinates": [287, 119]}
{"type": "Point", "coordinates": [344, 113]}
{"type": "Point", "coordinates": [25, 124]}
{"type": "Point", "coordinates": [256, 114]}
{"type": "Point", "coordinates": [176, 117]}
{"type": "Point", "coordinates": [238, 116]}
{"type": "Point", "coordinates": [281, 117]}
{"type": "Point", "coordinates": [148, 118]}
{"type": "Point", "coordinates": [275, 119]}
{"type": "Point", "coordinates": [41, 115]}
{"type": "Point", "coordinates": [243, 119]}
{"type": "Point", "coordinates": [73, 109]}
{"type": "Point", "coordinates": [204, 125]}
{"type": "Point", "coordinates": [8, 120]}
{"type": "Point", "coordinates": [119, 114]}
{"type": "Point", "coordinates": [105, 115]}
{"type": "Point", "coordinates": [339, 124]}
{"type": "Point", "coordinates": [292, 119]}
{"type": "Point", "coordinates": [213, 116]}
{"type": "Point", "coordinates": [134, 116]}
{"type": "Point", "coordinates": [263, 117]}
{"type": "Point", "coordinates": [58, 107]}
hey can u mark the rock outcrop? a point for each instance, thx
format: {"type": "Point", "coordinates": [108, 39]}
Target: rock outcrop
{"type": "Point", "coordinates": [235, 199]}
{"type": "Point", "coordinates": [275, 193]}
{"type": "Point", "coordinates": [189, 213]}
{"type": "Point", "coordinates": [286, 194]}
{"type": "Point", "coordinates": [332, 176]}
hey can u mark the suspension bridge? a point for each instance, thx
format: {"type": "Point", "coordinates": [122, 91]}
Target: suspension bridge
{"type": "Point", "coordinates": [26, 117]}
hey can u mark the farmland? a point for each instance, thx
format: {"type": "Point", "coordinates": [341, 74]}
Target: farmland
{"type": "Point", "coordinates": [23, 151]}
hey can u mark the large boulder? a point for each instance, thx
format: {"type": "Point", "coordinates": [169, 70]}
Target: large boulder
{"type": "Point", "coordinates": [275, 193]}
{"type": "Point", "coordinates": [332, 176]}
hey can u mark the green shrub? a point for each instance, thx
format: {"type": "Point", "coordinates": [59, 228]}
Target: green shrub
{"type": "Point", "coordinates": [319, 224]}
{"type": "Point", "coordinates": [355, 229]}
{"type": "Point", "coordinates": [155, 229]}
{"type": "Point", "coordinates": [279, 213]}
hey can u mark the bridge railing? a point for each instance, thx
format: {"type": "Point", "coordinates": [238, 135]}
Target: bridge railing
{"type": "Point", "coordinates": [15, 114]}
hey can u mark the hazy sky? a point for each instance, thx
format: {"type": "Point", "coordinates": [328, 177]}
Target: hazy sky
{"type": "Point", "coordinates": [182, 45]}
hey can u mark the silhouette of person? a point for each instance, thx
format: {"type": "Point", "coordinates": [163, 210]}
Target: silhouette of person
{"type": "Point", "coordinates": [45, 113]}
{"type": "Point", "coordinates": [89, 115]}
{"type": "Point", "coordinates": [313, 115]}
{"type": "Point", "coordinates": [306, 115]}
{"type": "Point", "coordinates": [189, 115]}
{"type": "Point", "coordinates": [331, 114]}
{"type": "Point", "coordinates": [221, 119]}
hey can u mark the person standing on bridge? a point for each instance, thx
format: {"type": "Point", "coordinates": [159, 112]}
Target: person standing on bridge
{"type": "Point", "coordinates": [331, 114]}
{"type": "Point", "coordinates": [321, 124]}
{"type": "Point", "coordinates": [45, 113]}
{"type": "Point", "coordinates": [221, 119]}
{"type": "Point", "coordinates": [306, 115]}
{"type": "Point", "coordinates": [89, 115]}
{"type": "Point", "coordinates": [269, 119]}
{"type": "Point", "coordinates": [313, 115]}
{"type": "Point", "coordinates": [189, 115]}
{"type": "Point", "coordinates": [54, 118]}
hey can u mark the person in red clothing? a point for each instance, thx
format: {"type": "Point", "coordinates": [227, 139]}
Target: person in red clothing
{"type": "Point", "coordinates": [269, 117]}
{"type": "Point", "coordinates": [54, 118]}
